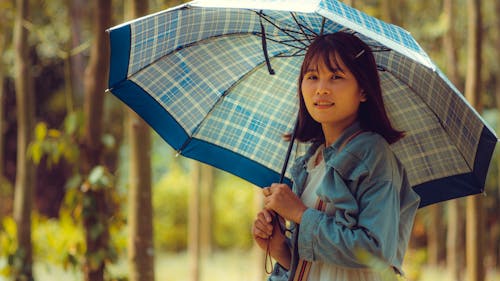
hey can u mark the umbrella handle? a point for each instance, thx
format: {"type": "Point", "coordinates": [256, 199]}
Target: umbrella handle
{"type": "Point", "coordinates": [276, 217]}
{"type": "Point", "coordinates": [288, 152]}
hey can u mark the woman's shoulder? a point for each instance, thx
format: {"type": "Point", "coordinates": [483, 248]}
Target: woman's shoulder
{"type": "Point", "coordinates": [368, 143]}
{"type": "Point", "coordinates": [367, 153]}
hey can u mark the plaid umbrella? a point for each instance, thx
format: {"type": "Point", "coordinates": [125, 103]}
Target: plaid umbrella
{"type": "Point", "coordinates": [217, 80]}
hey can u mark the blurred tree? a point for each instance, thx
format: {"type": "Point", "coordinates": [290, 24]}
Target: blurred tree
{"type": "Point", "coordinates": [24, 185]}
{"type": "Point", "coordinates": [194, 222]}
{"type": "Point", "coordinates": [77, 13]}
{"type": "Point", "coordinates": [455, 232]}
{"type": "Point", "coordinates": [96, 207]}
{"type": "Point", "coordinates": [3, 44]}
{"type": "Point", "coordinates": [351, 3]}
{"type": "Point", "coordinates": [389, 10]}
{"type": "Point", "coordinates": [5, 33]}
{"type": "Point", "coordinates": [496, 219]}
{"type": "Point", "coordinates": [475, 211]}
{"type": "Point", "coordinates": [435, 235]}
{"type": "Point", "coordinates": [200, 216]}
{"type": "Point", "coordinates": [207, 186]}
{"type": "Point", "coordinates": [140, 214]}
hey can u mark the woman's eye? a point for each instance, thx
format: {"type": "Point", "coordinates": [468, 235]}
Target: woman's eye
{"type": "Point", "coordinates": [312, 77]}
{"type": "Point", "coordinates": [335, 77]}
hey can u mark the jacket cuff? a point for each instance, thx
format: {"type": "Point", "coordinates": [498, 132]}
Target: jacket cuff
{"type": "Point", "coordinates": [279, 273]}
{"type": "Point", "coordinates": [310, 220]}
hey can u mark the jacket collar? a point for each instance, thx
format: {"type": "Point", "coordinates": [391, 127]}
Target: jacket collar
{"type": "Point", "coordinates": [329, 151]}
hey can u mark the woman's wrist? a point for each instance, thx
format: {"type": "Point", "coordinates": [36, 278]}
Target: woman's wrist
{"type": "Point", "coordinates": [298, 216]}
{"type": "Point", "coordinates": [283, 255]}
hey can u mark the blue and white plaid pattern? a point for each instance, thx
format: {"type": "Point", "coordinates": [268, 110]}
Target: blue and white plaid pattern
{"type": "Point", "coordinates": [206, 67]}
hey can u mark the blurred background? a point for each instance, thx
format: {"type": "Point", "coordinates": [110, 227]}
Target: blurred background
{"type": "Point", "coordinates": [89, 192]}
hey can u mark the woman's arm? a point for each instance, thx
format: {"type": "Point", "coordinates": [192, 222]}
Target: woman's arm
{"type": "Point", "coordinates": [368, 221]}
{"type": "Point", "coordinates": [266, 234]}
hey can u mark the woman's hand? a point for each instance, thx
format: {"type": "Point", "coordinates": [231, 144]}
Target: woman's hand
{"type": "Point", "coordinates": [281, 199]}
{"type": "Point", "coordinates": [264, 229]}
{"type": "Point", "coordinates": [268, 236]}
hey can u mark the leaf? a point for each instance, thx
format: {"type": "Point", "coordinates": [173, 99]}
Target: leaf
{"type": "Point", "coordinates": [71, 123]}
{"type": "Point", "coordinates": [96, 230]}
{"type": "Point", "coordinates": [108, 140]}
{"type": "Point", "coordinates": [100, 178]}
{"type": "Point", "coordinates": [74, 182]}
{"type": "Point", "coordinates": [41, 131]}
{"type": "Point", "coordinates": [35, 151]}
{"type": "Point", "coordinates": [53, 133]}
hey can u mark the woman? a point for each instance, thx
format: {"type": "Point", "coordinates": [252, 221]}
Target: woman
{"type": "Point", "coordinates": [368, 207]}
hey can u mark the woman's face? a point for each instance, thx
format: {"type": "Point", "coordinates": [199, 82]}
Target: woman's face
{"type": "Point", "coordinates": [332, 96]}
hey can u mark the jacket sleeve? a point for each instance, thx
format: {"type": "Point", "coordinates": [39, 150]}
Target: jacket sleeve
{"type": "Point", "coordinates": [365, 220]}
{"type": "Point", "coordinates": [279, 273]}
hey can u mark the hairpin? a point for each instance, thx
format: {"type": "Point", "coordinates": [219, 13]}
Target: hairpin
{"type": "Point", "coordinates": [359, 54]}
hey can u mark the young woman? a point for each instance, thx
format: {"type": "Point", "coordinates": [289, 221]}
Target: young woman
{"type": "Point", "coordinates": [350, 198]}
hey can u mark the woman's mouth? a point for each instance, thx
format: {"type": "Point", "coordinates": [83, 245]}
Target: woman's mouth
{"type": "Point", "coordinates": [324, 104]}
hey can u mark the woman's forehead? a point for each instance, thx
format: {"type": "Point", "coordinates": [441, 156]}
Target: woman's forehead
{"type": "Point", "coordinates": [329, 59]}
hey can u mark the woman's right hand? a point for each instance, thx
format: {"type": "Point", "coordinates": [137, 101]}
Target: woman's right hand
{"type": "Point", "coordinates": [265, 231]}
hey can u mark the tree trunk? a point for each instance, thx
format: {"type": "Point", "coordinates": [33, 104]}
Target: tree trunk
{"type": "Point", "coordinates": [24, 186]}
{"type": "Point", "coordinates": [140, 241]}
{"type": "Point", "coordinates": [450, 44]}
{"type": "Point", "coordinates": [435, 235]}
{"type": "Point", "coordinates": [206, 210]}
{"type": "Point", "coordinates": [456, 233]}
{"type": "Point", "coordinates": [475, 210]}
{"type": "Point", "coordinates": [77, 12]}
{"type": "Point", "coordinates": [95, 220]}
{"type": "Point", "coordinates": [140, 216]}
{"type": "Point", "coordinates": [194, 223]}
{"type": "Point", "coordinates": [497, 205]}
{"type": "Point", "coordinates": [455, 240]}
{"type": "Point", "coordinates": [3, 40]}
{"type": "Point", "coordinates": [351, 3]}
{"type": "Point", "coordinates": [389, 10]}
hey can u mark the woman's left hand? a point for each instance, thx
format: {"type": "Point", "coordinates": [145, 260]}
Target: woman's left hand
{"type": "Point", "coordinates": [281, 199]}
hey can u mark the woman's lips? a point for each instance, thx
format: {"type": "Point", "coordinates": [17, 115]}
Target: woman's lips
{"type": "Point", "coordinates": [323, 104]}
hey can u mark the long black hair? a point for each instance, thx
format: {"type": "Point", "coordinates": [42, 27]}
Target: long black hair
{"type": "Point", "coordinates": [359, 59]}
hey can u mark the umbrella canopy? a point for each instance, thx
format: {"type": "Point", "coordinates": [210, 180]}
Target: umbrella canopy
{"type": "Point", "coordinates": [218, 81]}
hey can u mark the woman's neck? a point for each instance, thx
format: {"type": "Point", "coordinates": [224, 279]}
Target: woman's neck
{"type": "Point", "coordinates": [332, 132]}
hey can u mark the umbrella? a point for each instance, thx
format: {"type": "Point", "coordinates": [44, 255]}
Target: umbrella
{"type": "Point", "coordinates": [217, 80]}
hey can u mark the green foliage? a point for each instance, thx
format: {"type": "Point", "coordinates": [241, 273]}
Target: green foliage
{"type": "Point", "coordinates": [54, 144]}
{"type": "Point", "coordinates": [232, 216]}
{"type": "Point", "coordinates": [234, 212]}
{"type": "Point", "coordinates": [8, 246]}
{"type": "Point", "coordinates": [59, 241]}
{"type": "Point", "coordinates": [100, 178]}
{"type": "Point", "coordinates": [170, 203]}
{"type": "Point", "coordinates": [414, 262]}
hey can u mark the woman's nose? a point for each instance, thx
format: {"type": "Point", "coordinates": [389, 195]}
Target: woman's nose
{"type": "Point", "coordinates": [322, 88]}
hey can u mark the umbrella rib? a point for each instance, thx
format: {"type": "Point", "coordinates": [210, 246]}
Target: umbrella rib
{"type": "Point", "coordinates": [287, 32]}
{"type": "Point", "coordinates": [264, 47]}
{"type": "Point", "coordinates": [285, 43]}
{"type": "Point", "coordinates": [302, 27]}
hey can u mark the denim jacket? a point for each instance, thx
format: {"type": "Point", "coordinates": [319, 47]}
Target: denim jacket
{"type": "Point", "coordinates": [373, 205]}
